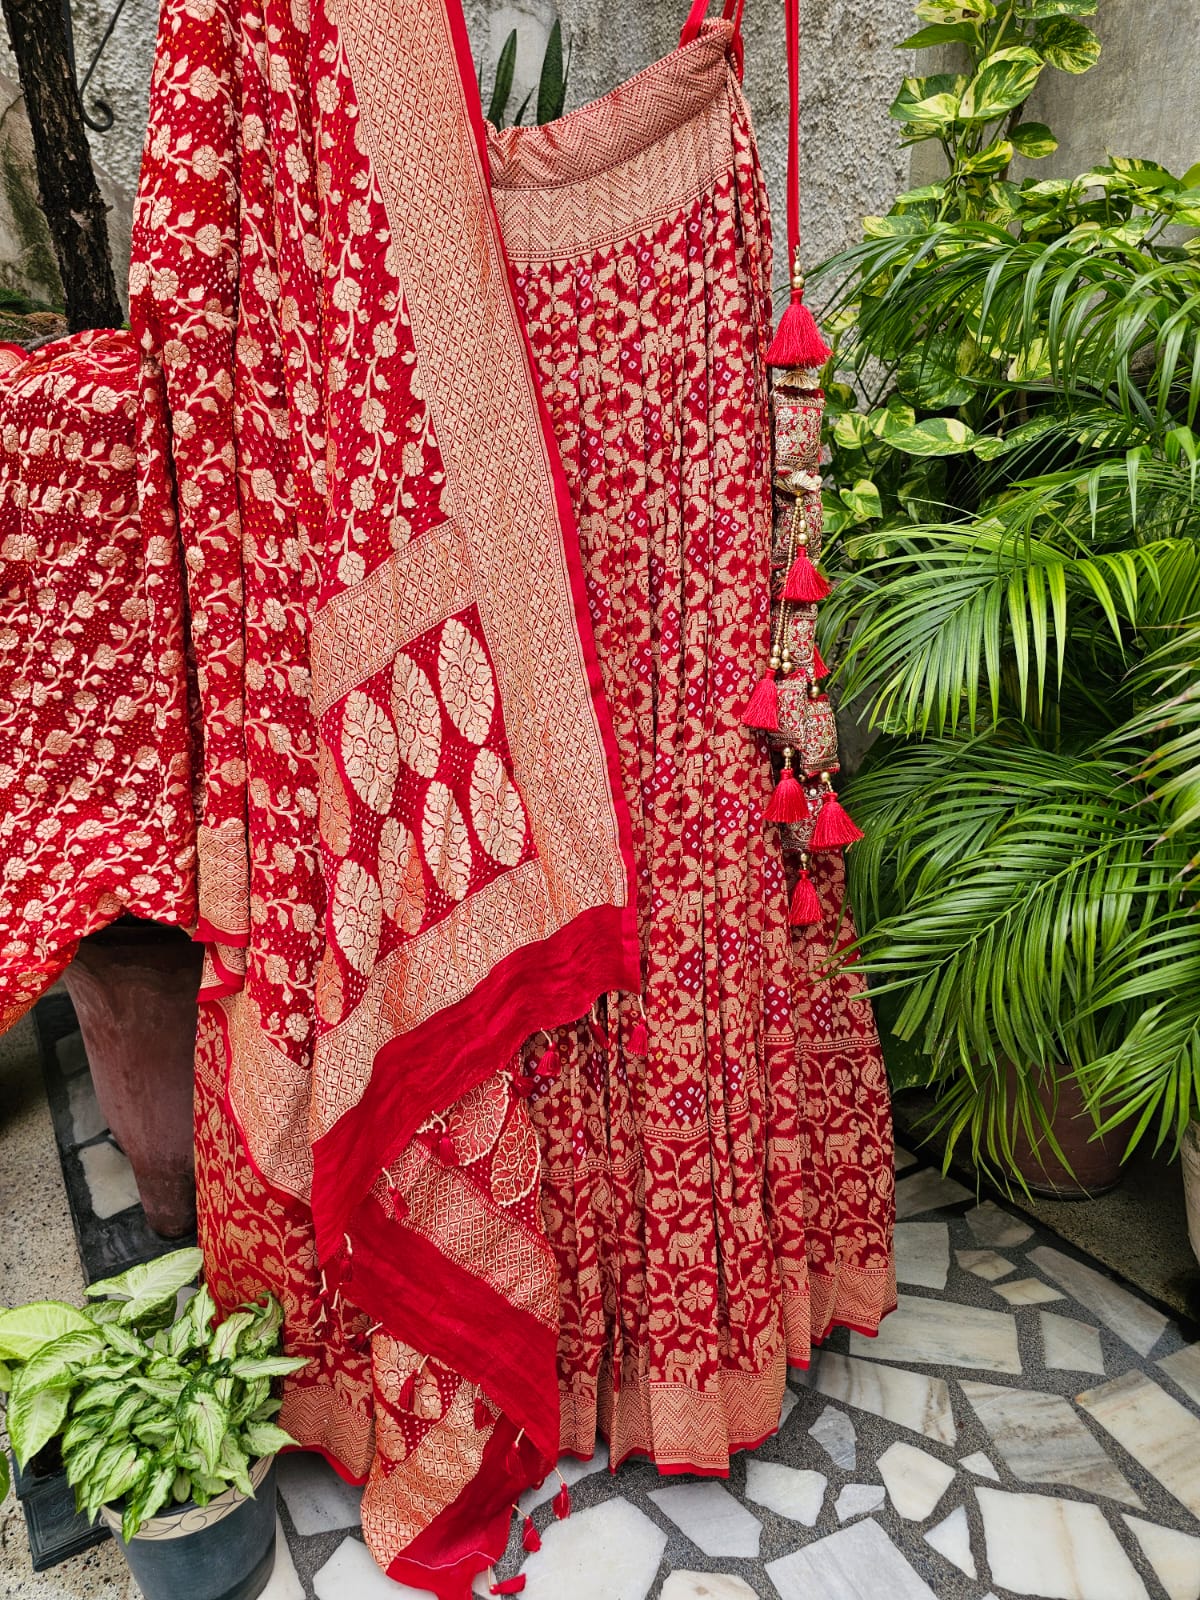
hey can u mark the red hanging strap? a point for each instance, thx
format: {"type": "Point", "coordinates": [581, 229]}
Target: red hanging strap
{"type": "Point", "coordinates": [797, 342]}
{"type": "Point", "coordinates": [731, 13]}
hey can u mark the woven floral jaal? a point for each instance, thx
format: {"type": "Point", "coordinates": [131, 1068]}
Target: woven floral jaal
{"type": "Point", "coordinates": [95, 792]}
{"type": "Point", "coordinates": [718, 1162]}
{"type": "Point", "coordinates": [413, 843]}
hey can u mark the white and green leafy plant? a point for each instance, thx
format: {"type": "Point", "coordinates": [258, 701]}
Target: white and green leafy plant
{"type": "Point", "coordinates": [150, 1407]}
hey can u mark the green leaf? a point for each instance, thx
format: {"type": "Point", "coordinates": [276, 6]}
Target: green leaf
{"type": "Point", "coordinates": [1034, 140]}
{"type": "Point", "coordinates": [55, 1363]}
{"type": "Point", "coordinates": [552, 83]}
{"type": "Point", "coordinates": [249, 1367]}
{"type": "Point", "coordinates": [994, 159]}
{"type": "Point", "coordinates": [852, 431]}
{"type": "Point", "coordinates": [25, 1329]}
{"type": "Point", "coordinates": [204, 1421]}
{"type": "Point", "coordinates": [1034, 9]}
{"type": "Point", "coordinates": [33, 1420]}
{"type": "Point", "coordinates": [862, 501]}
{"type": "Point", "coordinates": [892, 226]}
{"type": "Point", "coordinates": [1004, 81]}
{"type": "Point", "coordinates": [265, 1439]}
{"type": "Point", "coordinates": [938, 33]}
{"type": "Point", "coordinates": [148, 1284]}
{"type": "Point", "coordinates": [116, 1470]}
{"type": "Point", "coordinates": [150, 1498]}
{"type": "Point", "coordinates": [955, 10]}
{"type": "Point", "coordinates": [235, 1464]}
{"type": "Point", "coordinates": [933, 100]}
{"type": "Point", "coordinates": [506, 66]}
{"type": "Point", "coordinates": [4, 1476]}
{"type": "Point", "coordinates": [225, 1339]}
{"type": "Point", "coordinates": [936, 436]}
{"type": "Point", "coordinates": [1068, 45]}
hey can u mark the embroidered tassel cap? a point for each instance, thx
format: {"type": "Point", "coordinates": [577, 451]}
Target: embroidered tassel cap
{"type": "Point", "coordinates": [834, 829]}
{"type": "Point", "coordinates": [789, 803]}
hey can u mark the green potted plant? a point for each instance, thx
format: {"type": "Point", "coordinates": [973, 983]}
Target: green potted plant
{"type": "Point", "coordinates": [1015, 504]}
{"type": "Point", "coordinates": [164, 1421]}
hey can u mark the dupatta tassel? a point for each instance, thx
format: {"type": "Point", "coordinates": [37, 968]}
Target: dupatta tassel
{"type": "Point", "coordinates": [522, 1085]}
{"type": "Point", "coordinates": [531, 1539]}
{"type": "Point", "coordinates": [805, 584]}
{"type": "Point", "coordinates": [819, 669]}
{"type": "Point", "coordinates": [549, 1062]}
{"type": "Point", "coordinates": [805, 910]}
{"type": "Point", "coordinates": [483, 1414]}
{"type": "Point", "coordinates": [561, 1504]}
{"type": "Point", "coordinates": [789, 803]}
{"type": "Point", "coordinates": [512, 1456]}
{"type": "Point", "coordinates": [447, 1152]}
{"type": "Point", "coordinates": [834, 827]}
{"type": "Point", "coordinates": [509, 1585]}
{"type": "Point", "coordinates": [639, 1039]}
{"type": "Point", "coordinates": [762, 708]}
{"type": "Point", "coordinates": [797, 341]}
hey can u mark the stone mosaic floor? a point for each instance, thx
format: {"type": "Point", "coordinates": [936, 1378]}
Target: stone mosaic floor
{"type": "Point", "coordinates": [1023, 1426]}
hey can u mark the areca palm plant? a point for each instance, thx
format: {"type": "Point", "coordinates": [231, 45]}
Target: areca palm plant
{"type": "Point", "coordinates": [1015, 506]}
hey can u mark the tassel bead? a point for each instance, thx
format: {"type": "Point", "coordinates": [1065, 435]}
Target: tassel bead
{"type": "Point", "coordinates": [789, 803]}
{"type": "Point", "coordinates": [531, 1539]}
{"type": "Point", "coordinates": [762, 709]}
{"type": "Point", "coordinates": [805, 584]}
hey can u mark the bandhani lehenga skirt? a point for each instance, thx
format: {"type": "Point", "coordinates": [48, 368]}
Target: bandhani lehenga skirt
{"type": "Point", "coordinates": [718, 1179]}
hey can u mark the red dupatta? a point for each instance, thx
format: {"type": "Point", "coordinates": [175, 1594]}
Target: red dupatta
{"type": "Point", "coordinates": [412, 847]}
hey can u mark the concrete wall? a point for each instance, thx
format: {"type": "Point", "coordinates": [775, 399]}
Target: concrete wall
{"type": "Point", "coordinates": [1138, 101]}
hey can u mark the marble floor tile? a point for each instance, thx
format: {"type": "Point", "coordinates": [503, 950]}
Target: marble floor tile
{"type": "Point", "coordinates": [909, 1399]}
{"type": "Point", "coordinates": [710, 1517]}
{"type": "Point", "coordinates": [87, 1119]}
{"type": "Point", "coordinates": [979, 1464]}
{"type": "Point", "coordinates": [1070, 1346]}
{"type": "Point", "coordinates": [283, 1583]}
{"type": "Point", "coordinates": [904, 1158]}
{"type": "Point", "coordinates": [109, 1177]}
{"type": "Point", "coordinates": [706, 1586]}
{"type": "Point", "coordinates": [791, 1492]}
{"type": "Point", "coordinates": [1184, 1368]}
{"type": "Point", "coordinates": [1128, 1317]}
{"type": "Point", "coordinates": [915, 1480]}
{"type": "Point", "coordinates": [996, 1228]}
{"type": "Point", "coordinates": [1041, 1440]}
{"type": "Point", "coordinates": [927, 1190]}
{"type": "Point", "coordinates": [1174, 1556]}
{"type": "Point", "coordinates": [834, 1432]}
{"type": "Point", "coordinates": [1057, 1549]}
{"type": "Point", "coordinates": [608, 1552]}
{"type": "Point", "coordinates": [789, 1405]}
{"type": "Point", "coordinates": [1026, 1292]}
{"type": "Point", "coordinates": [1159, 1433]}
{"type": "Point", "coordinates": [952, 1538]}
{"type": "Point", "coordinates": [351, 1574]}
{"type": "Point", "coordinates": [857, 1499]}
{"type": "Point", "coordinates": [942, 1333]}
{"type": "Point", "coordinates": [856, 1563]}
{"type": "Point", "coordinates": [318, 1501]}
{"type": "Point", "coordinates": [985, 1264]}
{"type": "Point", "coordinates": [923, 1254]}
{"type": "Point", "coordinates": [572, 1470]}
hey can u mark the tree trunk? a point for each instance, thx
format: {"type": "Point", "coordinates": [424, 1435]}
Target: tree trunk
{"type": "Point", "coordinates": [76, 214]}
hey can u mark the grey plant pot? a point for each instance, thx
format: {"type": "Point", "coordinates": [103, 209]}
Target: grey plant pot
{"type": "Point", "coordinates": [222, 1551]}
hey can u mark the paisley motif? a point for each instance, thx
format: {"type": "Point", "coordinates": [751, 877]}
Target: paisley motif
{"type": "Point", "coordinates": [515, 1164]}
{"type": "Point", "coordinates": [357, 914]}
{"type": "Point", "coordinates": [369, 750]}
{"type": "Point", "coordinates": [418, 716]}
{"type": "Point", "coordinates": [475, 1121]}
{"type": "Point", "coordinates": [401, 879]}
{"type": "Point", "coordinates": [496, 810]}
{"type": "Point", "coordinates": [445, 842]}
{"type": "Point", "coordinates": [468, 688]}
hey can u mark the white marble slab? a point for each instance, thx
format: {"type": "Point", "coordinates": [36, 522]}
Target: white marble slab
{"type": "Point", "coordinates": [857, 1500]}
{"type": "Point", "coordinates": [1183, 1367]}
{"type": "Point", "coordinates": [923, 1254]}
{"type": "Point", "coordinates": [317, 1499]}
{"type": "Point", "coordinates": [283, 1584]}
{"type": "Point", "coordinates": [710, 1517]}
{"type": "Point", "coordinates": [351, 1574]}
{"type": "Point", "coordinates": [1026, 1292]}
{"type": "Point", "coordinates": [791, 1492]}
{"type": "Point", "coordinates": [1129, 1318]}
{"type": "Point", "coordinates": [951, 1538]}
{"type": "Point", "coordinates": [608, 1552]}
{"type": "Point", "coordinates": [1155, 1429]}
{"type": "Point", "coordinates": [1041, 1440]}
{"type": "Point", "coordinates": [915, 1480]}
{"type": "Point", "coordinates": [856, 1563]}
{"type": "Point", "coordinates": [1070, 1346]}
{"type": "Point", "coordinates": [927, 1190]}
{"type": "Point", "coordinates": [997, 1228]}
{"type": "Point", "coordinates": [904, 1158]}
{"type": "Point", "coordinates": [909, 1399]}
{"type": "Point", "coordinates": [789, 1405]}
{"type": "Point", "coordinates": [1058, 1549]}
{"type": "Point", "coordinates": [985, 1264]}
{"type": "Point", "coordinates": [87, 1119]}
{"type": "Point", "coordinates": [1174, 1556]}
{"type": "Point", "coordinates": [834, 1432]}
{"type": "Point", "coordinates": [706, 1586]}
{"type": "Point", "coordinates": [110, 1179]}
{"type": "Point", "coordinates": [572, 1470]}
{"type": "Point", "coordinates": [941, 1333]}
{"type": "Point", "coordinates": [980, 1466]}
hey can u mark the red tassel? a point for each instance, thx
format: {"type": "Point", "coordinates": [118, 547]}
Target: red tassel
{"type": "Point", "coordinates": [804, 583]}
{"type": "Point", "coordinates": [762, 709]}
{"type": "Point", "coordinates": [397, 1204]}
{"type": "Point", "coordinates": [789, 803]}
{"type": "Point", "coordinates": [447, 1154]}
{"type": "Point", "coordinates": [599, 1034]}
{"type": "Point", "coordinates": [562, 1503]}
{"type": "Point", "coordinates": [522, 1086]}
{"type": "Point", "coordinates": [819, 669]}
{"type": "Point", "coordinates": [806, 908]}
{"type": "Point", "coordinates": [510, 1585]}
{"type": "Point", "coordinates": [483, 1415]}
{"type": "Point", "coordinates": [408, 1392]}
{"type": "Point", "coordinates": [549, 1063]}
{"type": "Point", "coordinates": [512, 1456]}
{"type": "Point", "coordinates": [639, 1039]}
{"type": "Point", "coordinates": [797, 341]}
{"type": "Point", "coordinates": [833, 827]}
{"type": "Point", "coordinates": [531, 1539]}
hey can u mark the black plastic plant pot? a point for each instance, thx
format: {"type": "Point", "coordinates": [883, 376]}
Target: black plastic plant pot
{"type": "Point", "coordinates": [222, 1551]}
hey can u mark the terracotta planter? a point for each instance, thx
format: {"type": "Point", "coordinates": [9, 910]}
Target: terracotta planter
{"type": "Point", "coordinates": [1189, 1156]}
{"type": "Point", "coordinates": [1095, 1164]}
{"type": "Point", "coordinates": [133, 987]}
